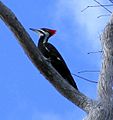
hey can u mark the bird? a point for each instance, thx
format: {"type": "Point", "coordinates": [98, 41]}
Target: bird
{"type": "Point", "coordinates": [52, 54]}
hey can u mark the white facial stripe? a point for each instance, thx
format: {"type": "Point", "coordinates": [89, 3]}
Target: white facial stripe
{"type": "Point", "coordinates": [46, 37]}
{"type": "Point", "coordinates": [46, 34]}
{"type": "Point", "coordinates": [39, 33]}
{"type": "Point", "coordinates": [43, 33]}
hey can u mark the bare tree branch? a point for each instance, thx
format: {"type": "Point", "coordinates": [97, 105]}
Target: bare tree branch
{"type": "Point", "coordinates": [87, 71]}
{"type": "Point", "coordinates": [111, 1]}
{"type": "Point", "coordinates": [102, 6]}
{"type": "Point", "coordinates": [100, 16]}
{"type": "Point", "coordinates": [90, 6]}
{"type": "Point", "coordinates": [83, 78]}
{"type": "Point", "coordinates": [100, 51]}
{"type": "Point", "coordinates": [43, 66]}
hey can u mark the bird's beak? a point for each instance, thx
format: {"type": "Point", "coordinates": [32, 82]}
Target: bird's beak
{"type": "Point", "coordinates": [35, 30]}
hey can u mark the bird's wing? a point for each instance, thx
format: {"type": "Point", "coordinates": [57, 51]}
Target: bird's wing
{"type": "Point", "coordinates": [59, 64]}
{"type": "Point", "coordinates": [54, 52]}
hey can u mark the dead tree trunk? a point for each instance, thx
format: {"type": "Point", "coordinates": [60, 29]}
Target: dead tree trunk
{"type": "Point", "coordinates": [100, 109]}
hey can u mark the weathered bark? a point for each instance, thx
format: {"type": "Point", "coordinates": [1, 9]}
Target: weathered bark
{"type": "Point", "coordinates": [102, 108]}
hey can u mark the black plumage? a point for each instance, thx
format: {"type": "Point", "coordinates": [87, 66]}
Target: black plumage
{"type": "Point", "coordinates": [52, 54]}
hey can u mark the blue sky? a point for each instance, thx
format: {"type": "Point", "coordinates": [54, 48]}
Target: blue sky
{"type": "Point", "coordinates": [25, 93]}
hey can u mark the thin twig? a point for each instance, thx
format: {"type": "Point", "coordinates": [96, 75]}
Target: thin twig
{"type": "Point", "coordinates": [95, 52]}
{"type": "Point", "coordinates": [84, 78]}
{"type": "Point", "coordinates": [103, 15]}
{"type": "Point", "coordinates": [96, 6]}
{"type": "Point", "coordinates": [103, 6]}
{"type": "Point", "coordinates": [111, 1]}
{"type": "Point", "coordinates": [87, 71]}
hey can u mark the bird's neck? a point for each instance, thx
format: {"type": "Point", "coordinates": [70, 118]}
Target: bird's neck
{"type": "Point", "coordinates": [43, 40]}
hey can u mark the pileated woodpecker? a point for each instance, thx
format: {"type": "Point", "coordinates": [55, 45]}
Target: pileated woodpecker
{"type": "Point", "coordinates": [51, 53]}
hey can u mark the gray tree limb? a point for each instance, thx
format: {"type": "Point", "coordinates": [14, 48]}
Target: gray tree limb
{"type": "Point", "coordinates": [43, 66]}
